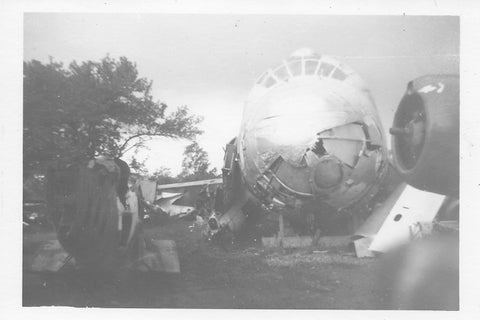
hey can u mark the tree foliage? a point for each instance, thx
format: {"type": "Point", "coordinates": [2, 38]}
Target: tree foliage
{"type": "Point", "coordinates": [164, 175]}
{"type": "Point", "coordinates": [92, 108]}
{"type": "Point", "coordinates": [195, 164]}
{"type": "Point", "coordinates": [138, 167]}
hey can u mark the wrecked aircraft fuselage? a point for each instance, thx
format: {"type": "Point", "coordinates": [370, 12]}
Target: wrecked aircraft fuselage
{"type": "Point", "coordinates": [310, 137]}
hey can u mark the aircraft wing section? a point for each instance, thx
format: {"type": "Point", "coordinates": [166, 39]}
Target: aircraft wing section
{"type": "Point", "coordinates": [184, 197]}
{"type": "Point", "coordinates": [169, 196]}
{"type": "Point", "coordinates": [166, 203]}
{"type": "Point", "coordinates": [414, 206]}
{"type": "Point", "coordinates": [375, 221]}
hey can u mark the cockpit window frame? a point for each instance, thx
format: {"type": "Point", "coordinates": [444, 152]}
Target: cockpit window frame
{"type": "Point", "coordinates": [333, 70]}
{"type": "Point", "coordinates": [317, 63]}
{"type": "Point", "coordinates": [293, 71]}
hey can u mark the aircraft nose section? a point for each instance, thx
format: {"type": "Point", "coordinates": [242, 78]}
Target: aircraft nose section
{"type": "Point", "coordinates": [287, 135]}
{"type": "Point", "coordinates": [327, 173]}
{"type": "Point", "coordinates": [287, 129]}
{"type": "Point", "coordinates": [290, 127]}
{"type": "Point", "coordinates": [310, 135]}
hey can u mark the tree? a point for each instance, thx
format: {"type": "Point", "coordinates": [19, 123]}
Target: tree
{"type": "Point", "coordinates": [195, 164]}
{"type": "Point", "coordinates": [90, 109]}
{"type": "Point", "coordinates": [163, 175]}
{"type": "Point", "coordinates": [138, 167]}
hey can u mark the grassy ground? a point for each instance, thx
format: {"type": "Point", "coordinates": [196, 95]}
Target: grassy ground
{"type": "Point", "coordinates": [243, 276]}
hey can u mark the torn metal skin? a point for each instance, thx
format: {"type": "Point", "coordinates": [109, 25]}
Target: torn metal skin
{"type": "Point", "coordinates": [310, 137]}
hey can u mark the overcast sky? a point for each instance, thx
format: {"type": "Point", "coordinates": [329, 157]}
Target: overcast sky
{"type": "Point", "coordinates": [209, 62]}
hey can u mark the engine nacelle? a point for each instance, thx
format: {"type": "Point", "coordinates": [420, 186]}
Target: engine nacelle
{"type": "Point", "coordinates": [425, 134]}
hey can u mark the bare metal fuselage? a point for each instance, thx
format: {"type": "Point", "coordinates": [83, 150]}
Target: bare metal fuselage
{"type": "Point", "coordinates": [310, 136]}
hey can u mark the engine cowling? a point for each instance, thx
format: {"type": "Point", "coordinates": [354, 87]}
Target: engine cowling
{"type": "Point", "coordinates": [425, 134]}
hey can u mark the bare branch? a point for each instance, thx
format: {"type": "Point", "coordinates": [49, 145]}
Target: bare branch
{"type": "Point", "coordinates": [122, 149]}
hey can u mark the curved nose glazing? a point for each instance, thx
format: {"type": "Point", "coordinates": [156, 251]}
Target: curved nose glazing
{"type": "Point", "coordinates": [308, 142]}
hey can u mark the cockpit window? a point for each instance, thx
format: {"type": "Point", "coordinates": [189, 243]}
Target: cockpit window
{"type": "Point", "coordinates": [344, 142]}
{"type": "Point", "coordinates": [325, 69]}
{"type": "Point", "coordinates": [339, 74]}
{"type": "Point", "coordinates": [282, 73]}
{"type": "Point", "coordinates": [311, 66]}
{"type": "Point", "coordinates": [269, 81]}
{"type": "Point", "coordinates": [262, 77]}
{"type": "Point", "coordinates": [295, 67]}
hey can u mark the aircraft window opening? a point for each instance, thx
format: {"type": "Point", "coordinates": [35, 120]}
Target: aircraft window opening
{"type": "Point", "coordinates": [339, 74]}
{"type": "Point", "coordinates": [262, 77]}
{"type": "Point", "coordinates": [397, 217]}
{"type": "Point", "coordinates": [346, 142]}
{"type": "Point", "coordinates": [311, 67]}
{"type": "Point", "coordinates": [295, 67]}
{"type": "Point", "coordinates": [269, 81]}
{"type": "Point", "coordinates": [318, 148]}
{"type": "Point", "coordinates": [325, 69]}
{"type": "Point", "coordinates": [331, 72]}
{"type": "Point", "coordinates": [288, 69]}
{"type": "Point", "coordinates": [281, 73]}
